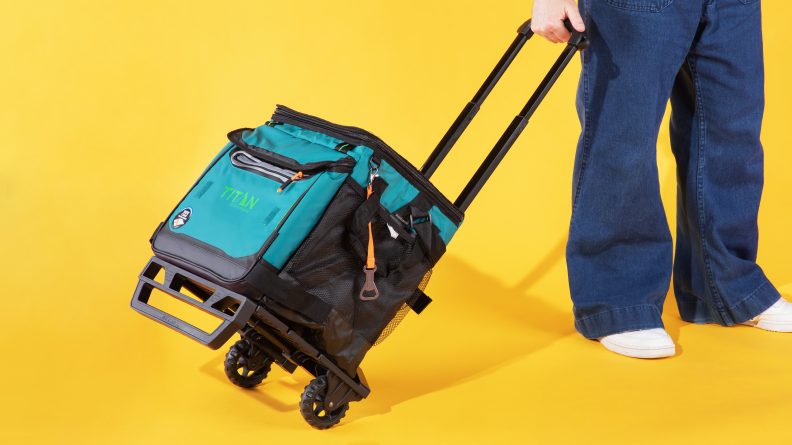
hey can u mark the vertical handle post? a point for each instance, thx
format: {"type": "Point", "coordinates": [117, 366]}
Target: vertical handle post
{"type": "Point", "coordinates": [524, 33]}
{"type": "Point", "coordinates": [578, 41]}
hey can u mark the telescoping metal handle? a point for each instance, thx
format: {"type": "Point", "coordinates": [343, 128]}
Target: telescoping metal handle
{"type": "Point", "coordinates": [216, 303]}
{"type": "Point", "coordinates": [577, 41]}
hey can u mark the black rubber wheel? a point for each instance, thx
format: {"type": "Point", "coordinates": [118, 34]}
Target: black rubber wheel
{"type": "Point", "coordinates": [312, 406]}
{"type": "Point", "coordinates": [236, 366]}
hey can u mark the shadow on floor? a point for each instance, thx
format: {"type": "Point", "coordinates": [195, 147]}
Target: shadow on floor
{"type": "Point", "coordinates": [475, 327]}
{"type": "Point", "coordinates": [214, 368]}
{"type": "Point", "coordinates": [486, 326]}
{"type": "Point", "coordinates": [483, 326]}
{"type": "Point", "coordinates": [672, 321]}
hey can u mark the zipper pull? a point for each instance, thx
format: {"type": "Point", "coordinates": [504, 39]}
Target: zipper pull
{"type": "Point", "coordinates": [296, 177]}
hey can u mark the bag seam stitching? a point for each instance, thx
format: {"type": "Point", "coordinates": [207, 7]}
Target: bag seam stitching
{"type": "Point", "coordinates": [202, 248]}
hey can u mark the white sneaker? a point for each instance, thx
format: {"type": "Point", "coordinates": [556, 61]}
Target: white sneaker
{"type": "Point", "coordinates": [777, 317]}
{"type": "Point", "coordinates": [649, 343]}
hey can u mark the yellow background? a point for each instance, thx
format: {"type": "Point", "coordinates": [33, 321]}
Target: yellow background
{"type": "Point", "coordinates": [110, 110]}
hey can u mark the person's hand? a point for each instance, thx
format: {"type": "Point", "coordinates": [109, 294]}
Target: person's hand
{"type": "Point", "coordinates": [548, 19]}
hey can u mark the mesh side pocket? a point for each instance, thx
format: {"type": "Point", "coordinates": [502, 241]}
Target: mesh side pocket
{"type": "Point", "coordinates": [402, 312]}
{"type": "Point", "coordinates": [393, 323]}
{"type": "Point", "coordinates": [325, 263]}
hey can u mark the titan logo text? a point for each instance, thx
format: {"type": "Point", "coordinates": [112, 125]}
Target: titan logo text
{"type": "Point", "coordinates": [239, 199]}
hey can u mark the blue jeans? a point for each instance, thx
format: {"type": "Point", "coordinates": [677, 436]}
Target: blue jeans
{"type": "Point", "coordinates": [706, 56]}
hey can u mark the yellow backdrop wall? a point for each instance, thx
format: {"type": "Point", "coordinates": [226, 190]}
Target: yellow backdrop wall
{"type": "Point", "coordinates": [109, 111]}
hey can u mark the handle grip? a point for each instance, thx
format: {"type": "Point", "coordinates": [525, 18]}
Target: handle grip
{"type": "Point", "coordinates": [579, 39]}
{"type": "Point", "coordinates": [214, 340]}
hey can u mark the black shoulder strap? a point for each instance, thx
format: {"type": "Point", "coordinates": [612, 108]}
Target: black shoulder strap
{"type": "Point", "coordinates": [288, 294]}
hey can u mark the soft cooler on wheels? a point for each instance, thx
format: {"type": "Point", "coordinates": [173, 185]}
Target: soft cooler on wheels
{"type": "Point", "coordinates": [313, 240]}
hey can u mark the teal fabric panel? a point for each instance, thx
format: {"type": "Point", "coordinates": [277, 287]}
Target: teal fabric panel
{"type": "Point", "coordinates": [225, 149]}
{"type": "Point", "coordinates": [233, 213]}
{"type": "Point", "coordinates": [303, 218]}
{"type": "Point", "coordinates": [263, 135]}
{"type": "Point", "coordinates": [399, 191]}
{"type": "Point", "coordinates": [447, 228]}
{"type": "Point", "coordinates": [362, 170]}
{"type": "Point", "coordinates": [282, 143]}
{"type": "Point", "coordinates": [361, 153]}
{"type": "Point", "coordinates": [310, 136]}
{"type": "Point", "coordinates": [222, 152]}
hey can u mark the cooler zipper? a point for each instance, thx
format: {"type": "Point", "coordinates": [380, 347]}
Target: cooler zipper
{"type": "Point", "coordinates": [245, 161]}
{"type": "Point", "coordinates": [373, 142]}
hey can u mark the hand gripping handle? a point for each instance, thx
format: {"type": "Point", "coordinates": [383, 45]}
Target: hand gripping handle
{"type": "Point", "coordinates": [577, 39]}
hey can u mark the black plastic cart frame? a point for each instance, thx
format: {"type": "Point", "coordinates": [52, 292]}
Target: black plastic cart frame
{"type": "Point", "coordinates": [265, 338]}
{"type": "Point", "coordinates": [240, 315]}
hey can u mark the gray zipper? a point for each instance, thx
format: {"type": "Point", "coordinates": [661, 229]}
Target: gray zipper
{"type": "Point", "coordinates": [244, 160]}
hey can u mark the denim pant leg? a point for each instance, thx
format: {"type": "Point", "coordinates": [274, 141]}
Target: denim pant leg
{"type": "Point", "coordinates": [619, 252]}
{"type": "Point", "coordinates": [717, 102]}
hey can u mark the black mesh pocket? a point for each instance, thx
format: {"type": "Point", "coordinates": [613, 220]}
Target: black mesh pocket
{"type": "Point", "coordinates": [389, 252]}
{"type": "Point", "coordinates": [325, 260]}
{"type": "Point", "coordinates": [391, 326]}
{"type": "Point", "coordinates": [327, 265]}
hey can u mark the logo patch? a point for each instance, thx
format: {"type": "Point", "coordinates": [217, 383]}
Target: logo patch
{"type": "Point", "coordinates": [239, 199]}
{"type": "Point", "coordinates": [181, 218]}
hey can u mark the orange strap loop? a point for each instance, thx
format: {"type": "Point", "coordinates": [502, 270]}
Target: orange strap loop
{"type": "Point", "coordinates": [370, 257]}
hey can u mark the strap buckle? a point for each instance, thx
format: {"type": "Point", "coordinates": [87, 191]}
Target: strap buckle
{"type": "Point", "coordinates": [413, 223]}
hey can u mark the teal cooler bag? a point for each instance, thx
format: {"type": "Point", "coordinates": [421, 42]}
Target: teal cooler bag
{"type": "Point", "coordinates": [313, 240]}
{"type": "Point", "coordinates": [258, 199]}
{"type": "Point", "coordinates": [282, 214]}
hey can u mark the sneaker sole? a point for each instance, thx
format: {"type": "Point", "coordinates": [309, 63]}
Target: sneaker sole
{"type": "Point", "coordinates": [659, 352]}
{"type": "Point", "coordinates": [773, 326]}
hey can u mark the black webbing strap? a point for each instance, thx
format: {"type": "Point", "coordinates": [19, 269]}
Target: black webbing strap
{"type": "Point", "coordinates": [362, 216]}
{"type": "Point", "coordinates": [423, 236]}
{"type": "Point", "coordinates": [359, 225]}
{"type": "Point", "coordinates": [344, 147]}
{"type": "Point", "coordinates": [342, 165]}
{"type": "Point", "coordinates": [418, 301]}
{"type": "Point", "coordinates": [288, 294]}
{"type": "Point", "coordinates": [236, 138]}
{"type": "Point", "coordinates": [423, 233]}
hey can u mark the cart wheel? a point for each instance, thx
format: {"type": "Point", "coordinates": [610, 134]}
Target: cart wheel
{"type": "Point", "coordinates": [312, 406]}
{"type": "Point", "coordinates": [236, 369]}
